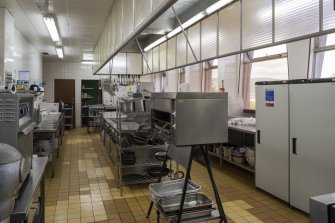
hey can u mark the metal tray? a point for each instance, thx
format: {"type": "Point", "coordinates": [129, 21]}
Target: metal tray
{"type": "Point", "coordinates": [171, 188]}
{"type": "Point", "coordinates": [193, 202]}
{"type": "Point", "coordinates": [185, 215]}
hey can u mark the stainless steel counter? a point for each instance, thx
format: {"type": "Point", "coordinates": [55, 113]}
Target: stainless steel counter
{"type": "Point", "coordinates": [243, 128]}
{"type": "Point", "coordinates": [53, 128]}
{"type": "Point", "coordinates": [34, 181]}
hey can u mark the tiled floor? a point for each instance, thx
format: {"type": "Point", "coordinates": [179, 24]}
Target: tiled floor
{"type": "Point", "coordinates": [84, 190]}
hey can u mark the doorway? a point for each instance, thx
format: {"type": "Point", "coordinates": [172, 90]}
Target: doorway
{"type": "Point", "coordinates": [65, 91]}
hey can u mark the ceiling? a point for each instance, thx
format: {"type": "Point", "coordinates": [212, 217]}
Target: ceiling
{"type": "Point", "coordinates": [80, 23]}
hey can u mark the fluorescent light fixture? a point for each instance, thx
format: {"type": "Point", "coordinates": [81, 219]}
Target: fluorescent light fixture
{"type": "Point", "coordinates": [174, 32]}
{"type": "Point", "coordinates": [51, 25]}
{"type": "Point", "coordinates": [156, 43]}
{"type": "Point", "coordinates": [60, 53]}
{"type": "Point", "coordinates": [193, 20]}
{"type": "Point", "coordinates": [216, 6]}
{"type": "Point", "coordinates": [90, 62]}
{"type": "Point", "coordinates": [186, 24]}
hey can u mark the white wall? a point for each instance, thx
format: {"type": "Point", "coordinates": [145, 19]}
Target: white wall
{"type": "Point", "coordinates": [26, 57]}
{"type": "Point", "coordinates": [62, 70]}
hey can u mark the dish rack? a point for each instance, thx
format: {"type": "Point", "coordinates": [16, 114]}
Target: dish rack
{"type": "Point", "coordinates": [130, 151]}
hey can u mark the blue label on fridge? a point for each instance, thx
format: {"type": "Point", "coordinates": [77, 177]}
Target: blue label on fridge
{"type": "Point", "coordinates": [269, 97]}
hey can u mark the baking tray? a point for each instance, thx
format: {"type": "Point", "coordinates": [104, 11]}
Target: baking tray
{"type": "Point", "coordinates": [185, 215]}
{"type": "Point", "coordinates": [171, 188]}
{"type": "Point", "coordinates": [193, 202]}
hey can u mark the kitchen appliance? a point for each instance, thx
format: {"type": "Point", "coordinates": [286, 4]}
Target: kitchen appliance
{"type": "Point", "coordinates": [16, 125]}
{"type": "Point", "coordinates": [191, 118]}
{"type": "Point", "coordinates": [322, 208]}
{"type": "Point", "coordinates": [11, 167]}
{"type": "Point", "coordinates": [295, 139]}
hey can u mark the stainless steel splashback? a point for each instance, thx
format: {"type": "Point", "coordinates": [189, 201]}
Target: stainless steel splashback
{"type": "Point", "coordinates": [188, 118]}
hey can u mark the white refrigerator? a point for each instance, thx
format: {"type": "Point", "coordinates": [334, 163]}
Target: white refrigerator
{"type": "Point", "coordinates": [295, 149]}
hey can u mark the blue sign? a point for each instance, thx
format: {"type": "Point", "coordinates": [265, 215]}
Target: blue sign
{"type": "Point", "coordinates": [269, 95]}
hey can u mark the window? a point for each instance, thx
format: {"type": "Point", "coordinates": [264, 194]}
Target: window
{"type": "Point", "coordinates": [324, 56]}
{"type": "Point", "coordinates": [268, 64]}
{"type": "Point", "coordinates": [211, 76]}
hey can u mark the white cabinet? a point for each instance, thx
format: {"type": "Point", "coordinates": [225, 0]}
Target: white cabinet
{"type": "Point", "coordinates": [296, 139]}
{"type": "Point", "coordinates": [272, 156]}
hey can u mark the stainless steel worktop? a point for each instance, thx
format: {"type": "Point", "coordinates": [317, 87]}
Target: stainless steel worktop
{"type": "Point", "coordinates": [51, 124]}
{"type": "Point", "coordinates": [28, 189]}
{"type": "Point", "coordinates": [243, 128]}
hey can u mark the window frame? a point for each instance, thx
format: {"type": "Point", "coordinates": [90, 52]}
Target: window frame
{"type": "Point", "coordinates": [320, 49]}
{"type": "Point", "coordinates": [248, 60]}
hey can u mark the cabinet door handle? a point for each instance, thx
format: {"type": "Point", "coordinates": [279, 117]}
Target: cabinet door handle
{"type": "Point", "coordinates": [259, 136]}
{"type": "Point", "coordinates": [294, 146]}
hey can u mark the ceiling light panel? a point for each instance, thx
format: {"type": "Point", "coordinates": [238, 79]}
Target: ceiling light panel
{"type": "Point", "coordinates": [59, 51]}
{"type": "Point", "coordinates": [53, 31]}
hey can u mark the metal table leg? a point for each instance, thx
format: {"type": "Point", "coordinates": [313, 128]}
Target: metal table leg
{"type": "Point", "coordinates": [216, 193]}
{"type": "Point", "coordinates": [187, 177]}
{"type": "Point", "coordinates": [42, 199]}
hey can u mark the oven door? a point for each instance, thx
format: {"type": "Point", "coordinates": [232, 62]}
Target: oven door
{"type": "Point", "coordinates": [25, 146]}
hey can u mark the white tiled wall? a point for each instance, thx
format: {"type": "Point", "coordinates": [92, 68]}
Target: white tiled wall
{"type": "Point", "coordinates": [26, 57]}
{"type": "Point", "coordinates": [62, 70]}
{"type": "Point", "coordinates": [16, 53]}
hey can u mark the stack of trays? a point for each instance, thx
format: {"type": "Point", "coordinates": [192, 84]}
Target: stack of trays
{"type": "Point", "coordinates": [167, 196]}
{"type": "Point", "coordinates": [195, 205]}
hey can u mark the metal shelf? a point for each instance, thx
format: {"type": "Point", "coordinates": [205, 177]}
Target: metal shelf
{"type": "Point", "coordinates": [143, 163]}
{"type": "Point", "coordinates": [144, 180]}
{"type": "Point", "coordinates": [243, 166]}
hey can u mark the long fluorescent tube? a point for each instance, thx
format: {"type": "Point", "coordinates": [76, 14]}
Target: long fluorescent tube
{"type": "Point", "coordinates": [60, 53]}
{"type": "Point", "coordinates": [51, 26]}
{"type": "Point", "coordinates": [156, 43]}
{"type": "Point", "coordinates": [186, 24]}
{"type": "Point", "coordinates": [217, 6]}
{"type": "Point", "coordinates": [193, 20]}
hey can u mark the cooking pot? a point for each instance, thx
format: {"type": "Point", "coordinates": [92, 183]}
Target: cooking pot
{"type": "Point", "coordinates": [157, 171]}
{"type": "Point", "coordinates": [11, 175]}
{"type": "Point", "coordinates": [127, 106]}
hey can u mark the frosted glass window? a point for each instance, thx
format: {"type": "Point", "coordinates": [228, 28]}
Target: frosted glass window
{"type": "Point", "coordinates": [155, 59]}
{"type": "Point", "coordinates": [150, 68]}
{"type": "Point", "coordinates": [295, 18]}
{"type": "Point", "coordinates": [145, 66]}
{"type": "Point", "coordinates": [162, 56]}
{"type": "Point", "coordinates": [209, 31]}
{"type": "Point", "coordinates": [256, 23]}
{"type": "Point", "coordinates": [171, 53]}
{"type": "Point", "coordinates": [193, 35]}
{"type": "Point", "coordinates": [270, 70]}
{"type": "Point", "coordinates": [181, 49]}
{"type": "Point", "coordinates": [229, 29]}
{"type": "Point", "coordinates": [269, 51]}
{"type": "Point", "coordinates": [328, 14]}
{"type": "Point", "coordinates": [326, 61]}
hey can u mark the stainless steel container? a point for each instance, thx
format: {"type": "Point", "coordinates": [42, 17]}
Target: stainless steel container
{"type": "Point", "coordinates": [171, 188]}
{"type": "Point", "coordinates": [191, 118]}
{"type": "Point", "coordinates": [11, 175]}
{"type": "Point", "coordinates": [193, 202]}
